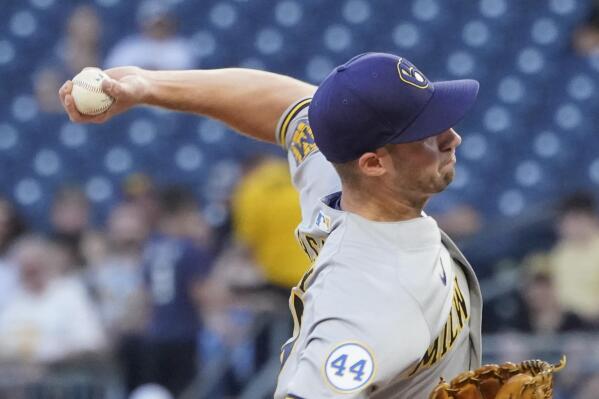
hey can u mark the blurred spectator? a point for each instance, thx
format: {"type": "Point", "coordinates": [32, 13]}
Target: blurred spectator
{"type": "Point", "coordinates": [139, 190]}
{"type": "Point", "coordinates": [265, 214]}
{"type": "Point", "coordinates": [94, 247]}
{"type": "Point", "coordinates": [233, 270]}
{"type": "Point", "coordinates": [46, 82]}
{"type": "Point", "coordinates": [65, 259]}
{"type": "Point", "coordinates": [574, 260]}
{"type": "Point", "coordinates": [589, 389]}
{"type": "Point", "coordinates": [157, 45]}
{"type": "Point", "coordinates": [70, 220]}
{"type": "Point", "coordinates": [233, 303]}
{"type": "Point", "coordinates": [118, 284]}
{"type": "Point", "coordinates": [543, 312]}
{"type": "Point", "coordinates": [50, 318]}
{"type": "Point", "coordinates": [460, 221]}
{"type": "Point", "coordinates": [78, 48]}
{"type": "Point", "coordinates": [582, 355]}
{"type": "Point", "coordinates": [456, 218]}
{"type": "Point", "coordinates": [266, 211]}
{"type": "Point", "coordinates": [82, 39]}
{"type": "Point", "coordinates": [174, 270]}
{"type": "Point", "coordinates": [509, 347]}
{"type": "Point", "coordinates": [586, 37]}
{"type": "Point", "coordinates": [11, 227]}
{"type": "Point", "coordinates": [117, 278]}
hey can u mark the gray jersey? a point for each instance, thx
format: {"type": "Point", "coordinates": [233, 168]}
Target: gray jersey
{"type": "Point", "coordinates": [386, 308]}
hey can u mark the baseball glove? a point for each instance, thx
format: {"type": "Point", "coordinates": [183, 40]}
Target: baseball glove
{"type": "Point", "coordinates": [531, 379]}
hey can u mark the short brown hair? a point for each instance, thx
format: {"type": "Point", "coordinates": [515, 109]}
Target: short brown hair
{"type": "Point", "coordinates": [348, 172]}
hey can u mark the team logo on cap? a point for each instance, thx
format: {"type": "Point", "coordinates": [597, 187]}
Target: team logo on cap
{"type": "Point", "coordinates": [410, 75]}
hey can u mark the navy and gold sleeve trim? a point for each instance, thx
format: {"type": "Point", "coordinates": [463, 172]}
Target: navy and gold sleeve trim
{"type": "Point", "coordinates": [288, 116]}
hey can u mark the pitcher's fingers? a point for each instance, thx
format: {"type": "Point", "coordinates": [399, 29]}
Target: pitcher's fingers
{"type": "Point", "coordinates": [69, 105]}
{"type": "Point", "coordinates": [78, 117]}
{"type": "Point", "coordinates": [111, 87]}
{"type": "Point", "coordinates": [65, 89]}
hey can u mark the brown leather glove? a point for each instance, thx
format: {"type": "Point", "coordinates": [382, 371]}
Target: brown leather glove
{"type": "Point", "coordinates": [531, 379]}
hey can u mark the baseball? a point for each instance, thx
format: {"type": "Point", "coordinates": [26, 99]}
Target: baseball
{"type": "Point", "coordinates": [87, 92]}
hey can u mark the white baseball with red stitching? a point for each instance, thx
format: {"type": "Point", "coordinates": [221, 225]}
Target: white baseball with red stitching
{"type": "Point", "coordinates": [87, 92]}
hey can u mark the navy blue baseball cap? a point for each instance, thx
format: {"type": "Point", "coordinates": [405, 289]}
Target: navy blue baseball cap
{"type": "Point", "coordinates": [376, 99]}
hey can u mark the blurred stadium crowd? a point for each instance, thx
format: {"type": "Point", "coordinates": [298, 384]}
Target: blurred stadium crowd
{"type": "Point", "coordinates": [151, 257]}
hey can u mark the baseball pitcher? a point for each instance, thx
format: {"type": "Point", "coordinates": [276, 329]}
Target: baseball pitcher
{"type": "Point", "coordinates": [390, 305]}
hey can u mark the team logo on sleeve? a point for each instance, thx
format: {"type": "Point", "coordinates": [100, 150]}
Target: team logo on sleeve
{"type": "Point", "coordinates": [349, 367]}
{"type": "Point", "coordinates": [323, 222]}
{"type": "Point", "coordinates": [302, 141]}
{"type": "Point", "coordinates": [411, 75]}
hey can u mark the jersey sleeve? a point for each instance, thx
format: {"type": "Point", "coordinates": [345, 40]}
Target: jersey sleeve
{"type": "Point", "coordinates": [349, 344]}
{"type": "Point", "coordinates": [312, 175]}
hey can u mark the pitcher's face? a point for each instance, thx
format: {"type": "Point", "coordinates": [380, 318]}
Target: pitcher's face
{"type": "Point", "coordinates": [426, 166]}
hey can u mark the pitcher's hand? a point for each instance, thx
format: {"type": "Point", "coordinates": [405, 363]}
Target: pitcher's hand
{"type": "Point", "coordinates": [126, 85]}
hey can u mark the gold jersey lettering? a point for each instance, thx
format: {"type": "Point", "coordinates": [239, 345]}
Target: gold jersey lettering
{"type": "Point", "coordinates": [302, 142]}
{"type": "Point", "coordinates": [311, 245]}
{"type": "Point", "coordinates": [456, 320]}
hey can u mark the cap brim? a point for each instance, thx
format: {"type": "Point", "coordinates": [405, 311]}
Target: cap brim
{"type": "Point", "coordinates": [450, 102]}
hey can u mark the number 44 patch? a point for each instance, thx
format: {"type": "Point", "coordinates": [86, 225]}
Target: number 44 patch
{"type": "Point", "coordinates": [349, 367]}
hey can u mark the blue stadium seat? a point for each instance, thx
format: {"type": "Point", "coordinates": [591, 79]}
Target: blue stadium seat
{"type": "Point", "coordinates": [99, 189]}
